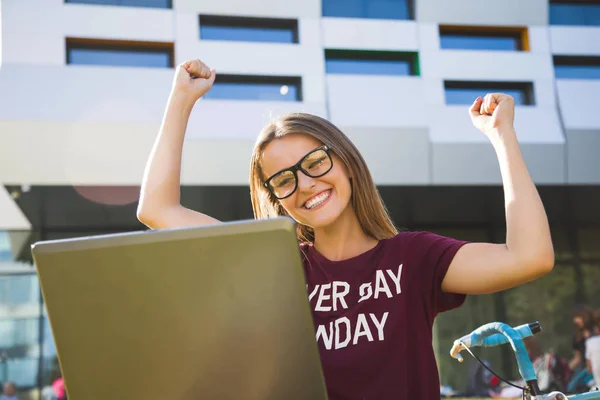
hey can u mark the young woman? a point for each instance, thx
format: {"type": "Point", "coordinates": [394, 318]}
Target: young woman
{"type": "Point", "coordinates": [374, 292]}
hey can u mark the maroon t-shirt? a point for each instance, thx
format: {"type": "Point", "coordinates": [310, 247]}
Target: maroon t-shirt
{"type": "Point", "coordinates": [374, 314]}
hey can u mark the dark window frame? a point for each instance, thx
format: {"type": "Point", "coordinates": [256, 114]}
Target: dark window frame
{"type": "Point", "coordinates": [526, 87]}
{"type": "Point", "coordinates": [520, 34]}
{"type": "Point", "coordinates": [251, 22]}
{"type": "Point", "coordinates": [412, 57]}
{"type": "Point", "coordinates": [576, 60]}
{"type": "Point", "coordinates": [410, 5]}
{"type": "Point", "coordinates": [119, 45]}
{"type": "Point", "coordinates": [169, 6]}
{"type": "Point", "coordinates": [263, 79]}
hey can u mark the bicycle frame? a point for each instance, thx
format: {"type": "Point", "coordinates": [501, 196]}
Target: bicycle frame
{"type": "Point", "coordinates": [497, 333]}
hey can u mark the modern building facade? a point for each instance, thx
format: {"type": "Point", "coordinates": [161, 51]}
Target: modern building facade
{"type": "Point", "coordinates": [83, 86]}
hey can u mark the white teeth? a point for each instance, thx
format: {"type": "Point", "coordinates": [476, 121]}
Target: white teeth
{"type": "Point", "coordinates": [315, 201]}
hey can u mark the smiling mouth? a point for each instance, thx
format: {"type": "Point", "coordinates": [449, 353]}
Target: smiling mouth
{"type": "Point", "coordinates": [317, 200]}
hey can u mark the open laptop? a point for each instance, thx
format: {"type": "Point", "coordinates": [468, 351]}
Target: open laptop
{"type": "Point", "coordinates": [216, 312]}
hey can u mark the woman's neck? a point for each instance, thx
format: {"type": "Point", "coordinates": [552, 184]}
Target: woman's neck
{"type": "Point", "coordinates": [344, 238]}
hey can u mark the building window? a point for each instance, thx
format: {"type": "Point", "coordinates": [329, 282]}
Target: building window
{"type": "Point", "coordinates": [371, 62]}
{"type": "Point", "coordinates": [484, 38]}
{"type": "Point", "coordinates": [380, 9]}
{"type": "Point", "coordinates": [248, 29]}
{"type": "Point", "coordinates": [575, 12]}
{"type": "Point", "coordinates": [566, 67]}
{"type": "Point", "coordinates": [263, 88]}
{"type": "Point", "coordinates": [127, 3]}
{"type": "Point", "coordinates": [119, 53]}
{"type": "Point", "coordinates": [5, 247]}
{"type": "Point", "coordinates": [465, 92]}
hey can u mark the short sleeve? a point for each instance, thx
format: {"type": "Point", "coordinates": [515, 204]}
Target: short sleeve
{"type": "Point", "coordinates": [433, 254]}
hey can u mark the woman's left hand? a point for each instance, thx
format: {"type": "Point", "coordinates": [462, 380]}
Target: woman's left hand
{"type": "Point", "coordinates": [493, 114]}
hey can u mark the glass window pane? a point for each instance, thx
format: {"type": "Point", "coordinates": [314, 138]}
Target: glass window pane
{"type": "Point", "coordinates": [51, 369]}
{"type": "Point", "coordinates": [577, 71]}
{"type": "Point", "coordinates": [367, 67]}
{"type": "Point", "coordinates": [114, 57]}
{"type": "Point", "coordinates": [18, 290]}
{"type": "Point", "coordinates": [343, 8]}
{"type": "Point", "coordinates": [574, 14]}
{"type": "Point", "coordinates": [253, 91]}
{"type": "Point", "coordinates": [5, 248]}
{"type": "Point", "coordinates": [472, 42]}
{"type": "Point", "coordinates": [247, 34]}
{"type": "Point", "coordinates": [49, 345]}
{"type": "Point", "coordinates": [20, 333]}
{"type": "Point", "coordinates": [130, 3]}
{"type": "Point", "coordinates": [22, 371]}
{"type": "Point", "coordinates": [468, 96]}
{"type": "Point", "coordinates": [380, 9]}
{"type": "Point", "coordinates": [387, 9]}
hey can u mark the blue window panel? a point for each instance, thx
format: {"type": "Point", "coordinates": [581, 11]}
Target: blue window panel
{"type": "Point", "coordinates": [5, 248]}
{"type": "Point", "coordinates": [577, 71]}
{"type": "Point", "coordinates": [343, 8]}
{"type": "Point", "coordinates": [49, 349]}
{"type": "Point", "coordinates": [380, 9]}
{"type": "Point", "coordinates": [573, 67]}
{"type": "Point", "coordinates": [120, 58]}
{"type": "Point", "coordinates": [19, 290]}
{"type": "Point", "coordinates": [19, 332]}
{"type": "Point", "coordinates": [574, 14]}
{"type": "Point", "coordinates": [474, 42]}
{"type": "Point", "coordinates": [254, 91]}
{"type": "Point", "coordinates": [247, 34]}
{"type": "Point", "coordinates": [127, 3]}
{"type": "Point", "coordinates": [367, 67]}
{"type": "Point", "coordinates": [22, 371]}
{"type": "Point", "coordinates": [387, 9]}
{"type": "Point", "coordinates": [468, 95]}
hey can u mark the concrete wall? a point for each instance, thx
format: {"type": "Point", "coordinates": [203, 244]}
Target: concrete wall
{"type": "Point", "coordinates": [96, 125]}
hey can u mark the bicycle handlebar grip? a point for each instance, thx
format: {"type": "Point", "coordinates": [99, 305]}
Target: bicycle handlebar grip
{"type": "Point", "coordinates": [535, 327]}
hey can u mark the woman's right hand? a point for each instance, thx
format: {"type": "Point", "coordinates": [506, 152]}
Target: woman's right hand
{"type": "Point", "coordinates": [194, 79]}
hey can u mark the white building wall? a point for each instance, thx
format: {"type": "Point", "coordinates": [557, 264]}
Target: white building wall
{"type": "Point", "coordinates": [575, 40]}
{"type": "Point", "coordinates": [96, 125]}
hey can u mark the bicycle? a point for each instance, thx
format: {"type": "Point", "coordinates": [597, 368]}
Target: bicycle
{"type": "Point", "coordinates": [498, 333]}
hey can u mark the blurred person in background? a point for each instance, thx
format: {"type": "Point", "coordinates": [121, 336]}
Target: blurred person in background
{"type": "Point", "coordinates": [583, 322]}
{"type": "Point", "coordinates": [9, 391]}
{"type": "Point", "coordinates": [592, 350]}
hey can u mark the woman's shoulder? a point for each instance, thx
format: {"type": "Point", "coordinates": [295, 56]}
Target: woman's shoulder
{"type": "Point", "coordinates": [408, 236]}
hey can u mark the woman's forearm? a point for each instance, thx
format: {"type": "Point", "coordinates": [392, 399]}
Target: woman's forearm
{"type": "Point", "coordinates": [527, 231]}
{"type": "Point", "coordinates": [161, 183]}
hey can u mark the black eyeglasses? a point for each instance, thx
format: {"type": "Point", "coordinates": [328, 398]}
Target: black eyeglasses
{"type": "Point", "coordinates": [315, 164]}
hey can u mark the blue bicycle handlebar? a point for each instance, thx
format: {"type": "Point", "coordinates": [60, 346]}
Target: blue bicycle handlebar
{"type": "Point", "coordinates": [488, 336]}
{"type": "Point", "coordinates": [496, 333]}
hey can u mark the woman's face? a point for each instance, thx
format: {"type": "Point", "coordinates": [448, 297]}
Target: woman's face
{"type": "Point", "coordinates": [316, 202]}
{"type": "Point", "coordinates": [578, 322]}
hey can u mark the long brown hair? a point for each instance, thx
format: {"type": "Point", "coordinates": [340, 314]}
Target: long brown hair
{"type": "Point", "coordinates": [366, 200]}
